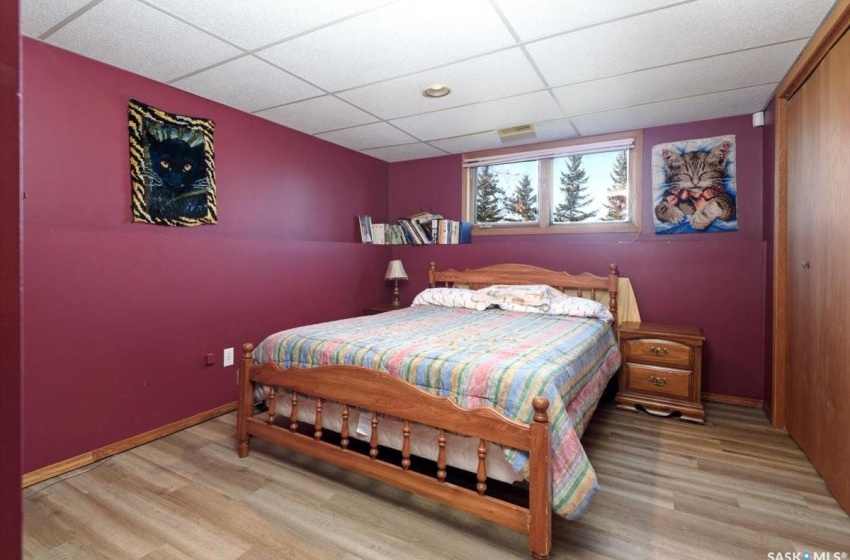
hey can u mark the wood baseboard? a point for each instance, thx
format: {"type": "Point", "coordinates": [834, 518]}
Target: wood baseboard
{"type": "Point", "coordinates": [39, 475]}
{"type": "Point", "coordinates": [729, 399]}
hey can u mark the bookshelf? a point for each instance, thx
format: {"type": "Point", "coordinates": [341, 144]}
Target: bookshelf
{"type": "Point", "coordinates": [424, 228]}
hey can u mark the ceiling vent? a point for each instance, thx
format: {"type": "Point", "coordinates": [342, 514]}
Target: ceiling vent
{"type": "Point", "coordinates": [511, 131]}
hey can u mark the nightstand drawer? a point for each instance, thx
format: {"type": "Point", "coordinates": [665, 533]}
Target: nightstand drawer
{"type": "Point", "coordinates": [658, 380]}
{"type": "Point", "coordinates": [661, 352]}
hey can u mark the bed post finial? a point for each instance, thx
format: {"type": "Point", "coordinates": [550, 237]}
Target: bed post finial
{"type": "Point", "coordinates": [247, 350]}
{"type": "Point", "coordinates": [541, 405]}
{"type": "Point", "coordinates": [432, 268]}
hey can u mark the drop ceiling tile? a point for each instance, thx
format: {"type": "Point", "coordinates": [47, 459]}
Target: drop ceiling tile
{"type": "Point", "coordinates": [254, 24]}
{"type": "Point", "coordinates": [557, 16]}
{"type": "Point", "coordinates": [401, 38]}
{"type": "Point", "coordinates": [405, 152]}
{"type": "Point", "coordinates": [740, 69]}
{"type": "Point", "coordinates": [701, 107]}
{"type": "Point", "coordinates": [248, 83]}
{"type": "Point", "coordinates": [560, 129]}
{"type": "Point", "coordinates": [469, 143]}
{"type": "Point", "coordinates": [141, 39]}
{"type": "Point", "coordinates": [368, 136]}
{"type": "Point", "coordinates": [317, 115]}
{"type": "Point", "coordinates": [483, 78]}
{"type": "Point", "coordinates": [481, 117]}
{"type": "Point", "coordinates": [38, 16]}
{"type": "Point", "coordinates": [676, 34]}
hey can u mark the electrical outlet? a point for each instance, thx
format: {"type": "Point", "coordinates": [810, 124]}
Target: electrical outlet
{"type": "Point", "coordinates": [228, 357]}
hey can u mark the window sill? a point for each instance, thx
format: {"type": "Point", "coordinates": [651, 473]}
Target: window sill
{"type": "Point", "coordinates": [557, 229]}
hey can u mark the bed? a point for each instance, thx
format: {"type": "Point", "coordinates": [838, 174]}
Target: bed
{"type": "Point", "coordinates": [514, 385]}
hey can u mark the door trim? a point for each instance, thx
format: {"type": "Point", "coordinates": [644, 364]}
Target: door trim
{"type": "Point", "coordinates": [830, 31]}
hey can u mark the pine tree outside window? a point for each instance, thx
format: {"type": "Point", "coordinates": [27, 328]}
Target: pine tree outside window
{"type": "Point", "coordinates": [489, 202]}
{"type": "Point", "coordinates": [581, 185]}
{"type": "Point", "coordinates": [618, 192]}
{"type": "Point", "coordinates": [506, 192]}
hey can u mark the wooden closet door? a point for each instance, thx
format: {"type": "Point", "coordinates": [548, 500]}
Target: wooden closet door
{"type": "Point", "coordinates": [818, 375]}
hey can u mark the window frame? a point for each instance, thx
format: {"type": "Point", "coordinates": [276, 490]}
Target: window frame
{"type": "Point", "coordinates": [544, 195]}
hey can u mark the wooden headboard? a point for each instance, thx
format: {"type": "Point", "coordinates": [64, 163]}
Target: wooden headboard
{"type": "Point", "coordinates": [585, 284]}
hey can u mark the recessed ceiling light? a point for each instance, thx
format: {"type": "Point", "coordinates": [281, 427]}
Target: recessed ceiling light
{"type": "Point", "coordinates": [436, 90]}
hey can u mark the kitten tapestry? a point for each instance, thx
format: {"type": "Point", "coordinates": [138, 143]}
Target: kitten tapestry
{"type": "Point", "coordinates": [172, 167]}
{"type": "Point", "coordinates": [693, 186]}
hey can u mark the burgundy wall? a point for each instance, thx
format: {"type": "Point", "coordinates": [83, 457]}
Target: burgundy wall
{"type": "Point", "coordinates": [10, 285]}
{"type": "Point", "coordinates": [714, 280]}
{"type": "Point", "coordinates": [118, 315]}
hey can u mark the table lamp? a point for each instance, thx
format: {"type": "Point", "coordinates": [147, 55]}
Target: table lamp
{"type": "Point", "coordinates": [395, 272]}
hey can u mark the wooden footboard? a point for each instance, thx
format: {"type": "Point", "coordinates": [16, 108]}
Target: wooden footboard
{"type": "Point", "coordinates": [382, 394]}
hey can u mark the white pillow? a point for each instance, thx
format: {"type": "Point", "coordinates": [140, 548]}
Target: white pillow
{"type": "Point", "coordinates": [563, 304]}
{"type": "Point", "coordinates": [449, 297]}
{"type": "Point", "coordinates": [531, 298]}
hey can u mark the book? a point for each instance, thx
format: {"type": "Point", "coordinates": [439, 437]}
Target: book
{"type": "Point", "coordinates": [379, 234]}
{"type": "Point", "coordinates": [394, 235]}
{"type": "Point", "coordinates": [422, 223]}
{"type": "Point", "coordinates": [400, 235]}
{"type": "Point", "coordinates": [446, 232]}
{"type": "Point", "coordinates": [412, 231]}
{"type": "Point", "coordinates": [441, 231]}
{"type": "Point", "coordinates": [424, 217]}
{"type": "Point", "coordinates": [365, 228]}
{"type": "Point", "coordinates": [408, 232]}
{"type": "Point", "coordinates": [464, 232]}
{"type": "Point", "coordinates": [424, 236]}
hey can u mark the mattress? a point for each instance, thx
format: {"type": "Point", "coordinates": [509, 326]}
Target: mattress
{"type": "Point", "coordinates": [492, 358]}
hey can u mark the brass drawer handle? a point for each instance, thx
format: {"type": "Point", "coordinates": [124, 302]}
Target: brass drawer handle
{"type": "Point", "coordinates": [658, 381]}
{"type": "Point", "coordinates": [658, 351]}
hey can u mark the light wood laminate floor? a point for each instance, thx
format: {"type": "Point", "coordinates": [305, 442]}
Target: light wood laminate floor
{"type": "Point", "coordinates": [734, 488]}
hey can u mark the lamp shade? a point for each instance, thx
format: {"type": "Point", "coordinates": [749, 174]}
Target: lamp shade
{"type": "Point", "coordinates": [395, 271]}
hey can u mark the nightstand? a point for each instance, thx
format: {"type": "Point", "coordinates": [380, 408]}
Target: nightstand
{"type": "Point", "coordinates": [662, 370]}
{"type": "Point", "coordinates": [382, 308]}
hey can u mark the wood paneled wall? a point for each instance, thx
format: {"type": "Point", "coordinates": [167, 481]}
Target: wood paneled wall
{"type": "Point", "coordinates": [811, 383]}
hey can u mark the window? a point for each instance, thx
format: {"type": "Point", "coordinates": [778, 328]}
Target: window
{"type": "Point", "coordinates": [579, 185]}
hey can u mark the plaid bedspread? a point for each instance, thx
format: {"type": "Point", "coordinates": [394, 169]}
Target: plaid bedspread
{"type": "Point", "coordinates": [489, 358]}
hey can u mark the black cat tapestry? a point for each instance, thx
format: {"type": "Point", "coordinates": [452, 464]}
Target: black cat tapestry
{"type": "Point", "coordinates": [172, 167]}
{"type": "Point", "coordinates": [693, 186]}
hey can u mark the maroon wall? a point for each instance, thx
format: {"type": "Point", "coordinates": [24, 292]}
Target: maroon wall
{"type": "Point", "coordinates": [119, 315]}
{"type": "Point", "coordinates": [10, 285]}
{"type": "Point", "coordinates": [714, 280]}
